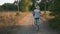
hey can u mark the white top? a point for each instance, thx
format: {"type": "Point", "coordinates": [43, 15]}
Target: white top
{"type": "Point", "coordinates": [37, 13]}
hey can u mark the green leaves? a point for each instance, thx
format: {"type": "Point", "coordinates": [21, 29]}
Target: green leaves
{"type": "Point", "coordinates": [55, 23]}
{"type": "Point", "coordinates": [24, 5]}
{"type": "Point", "coordinates": [8, 7]}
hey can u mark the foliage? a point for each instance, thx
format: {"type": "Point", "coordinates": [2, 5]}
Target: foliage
{"type": "Point", "coordinates": [8, 6]}
{"type": "Point", "coordinates": [55, 23]}
{"type": "Point", "coordinates": [24, 5]}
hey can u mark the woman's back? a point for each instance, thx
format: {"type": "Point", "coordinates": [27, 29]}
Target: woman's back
{"type": "Point", "coordinates": [37, 13]}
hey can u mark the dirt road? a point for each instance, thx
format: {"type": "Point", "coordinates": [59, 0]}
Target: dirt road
{"type": "Point", "coordinates": [27, 26]}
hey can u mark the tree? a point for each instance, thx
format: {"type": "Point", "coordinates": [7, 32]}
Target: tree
{"type": "Point", "coordinates": [55, 23]}
{"type": "Point", "coordinates": [24, 5]}
{"type": "Point", "coordinates": [1, 9]}
{"type": "Point", "coordinates": [9, 7]}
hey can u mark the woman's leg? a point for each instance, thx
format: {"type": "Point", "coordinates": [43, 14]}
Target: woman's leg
{"type": "Point", "coordinates": [36, 24]}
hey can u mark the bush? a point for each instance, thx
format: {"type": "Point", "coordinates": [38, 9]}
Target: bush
{"type": "Point", "coordinates": [55, 9]}
{"type": "Point", "coordinates": [55, 23]}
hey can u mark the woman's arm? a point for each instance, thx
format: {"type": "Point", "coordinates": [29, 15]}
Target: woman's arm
{"type": "Point", "coordinates": [33, 13]}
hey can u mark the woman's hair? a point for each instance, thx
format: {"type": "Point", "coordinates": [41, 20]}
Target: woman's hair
{"type": "Point", "coordinates": [37, 7]}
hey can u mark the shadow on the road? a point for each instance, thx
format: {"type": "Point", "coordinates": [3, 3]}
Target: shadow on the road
{"type": "Point", "coordinates": [9, 29]}
{"type": "Point", "coordinates": [46, 29]}
{"type": "Point", "coordinates": [17, 30]}
{"type": "Point", "coordinates": [29, 29]}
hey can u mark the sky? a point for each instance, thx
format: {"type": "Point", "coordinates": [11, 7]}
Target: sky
{"type": "Point", "coordinates": [6, 1]}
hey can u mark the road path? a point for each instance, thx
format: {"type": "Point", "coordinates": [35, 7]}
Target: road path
{"type": "Point", "coordinates": [27, 26]}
